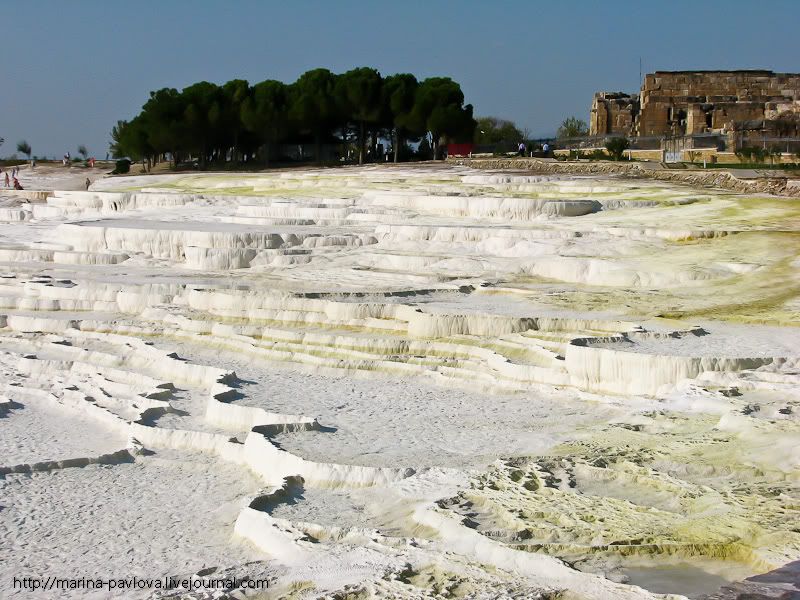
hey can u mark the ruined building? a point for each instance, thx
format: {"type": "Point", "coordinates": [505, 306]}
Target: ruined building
{"type": "Point", "coordinates": [673, 103]}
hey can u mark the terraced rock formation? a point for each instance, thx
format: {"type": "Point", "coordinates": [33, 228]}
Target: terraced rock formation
{"type": "Point", "coordinates": [400, 382]}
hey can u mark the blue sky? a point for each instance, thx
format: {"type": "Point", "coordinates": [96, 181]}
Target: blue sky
{"type": "Point", "coordinates": [70, 69]}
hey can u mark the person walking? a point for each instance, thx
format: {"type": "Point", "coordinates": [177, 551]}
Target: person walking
{"type": "Point", "coordinates": [8, 182]}
{"type": "Point", "coordinates": [88, 183]}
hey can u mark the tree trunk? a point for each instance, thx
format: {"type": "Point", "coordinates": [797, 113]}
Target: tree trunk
{"type": "Point", "coordinates": [361, 142]}
{"type": "Point", "coordinates": [318, 148]}
{"type": "Point", "coordinates": [396, 144]}
{"type": "Point", "coordinates": [266, 155]}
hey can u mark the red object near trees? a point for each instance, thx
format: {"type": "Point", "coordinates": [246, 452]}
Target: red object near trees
{"type": "Point", "coordinates": [459, 149]}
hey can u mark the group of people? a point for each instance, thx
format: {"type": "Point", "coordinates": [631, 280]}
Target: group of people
{"type": "Point", "coordinates": [522, 150]}
{"type": "Point", "coordinates": [9, 181]}
{"type": "Point", "coordinates": [67, 160]}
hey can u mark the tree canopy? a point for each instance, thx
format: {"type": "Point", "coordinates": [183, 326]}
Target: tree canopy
{"type": "Point", "coordinates": [265, 113]}
{"type": "Point", "coordinates": [491, 130]}
{"type": "Point", "coordinates": [616, 147]}
{"type": "Point", "coordinates": [398, 97]}
{"type": "Point", "coordinates": [572, 127]}
{"type": "Point", "coordinates": [24, 147]}
{"type": "Point", "coordinates": [238, 121]}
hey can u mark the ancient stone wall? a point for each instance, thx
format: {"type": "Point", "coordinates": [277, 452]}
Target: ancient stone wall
{"type": "Point", "coordinates": [691, 102]}
{"type": "Point", "coordinates": [613, 112]}
{"type": "Point", "coordinates": [712, 98]}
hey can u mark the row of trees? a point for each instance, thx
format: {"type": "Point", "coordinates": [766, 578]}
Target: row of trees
{"type": "Point", "coordinates": [238, 121]}
{"type": "Point", "coordinates": [496, 131]}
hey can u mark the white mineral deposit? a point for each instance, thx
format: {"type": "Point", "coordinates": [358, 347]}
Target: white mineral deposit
{"type": "Point", "coordinates": [430, 381]}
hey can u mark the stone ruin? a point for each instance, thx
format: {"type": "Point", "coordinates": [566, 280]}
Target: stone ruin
{"type": "Point", "coordinates": [685, 103]}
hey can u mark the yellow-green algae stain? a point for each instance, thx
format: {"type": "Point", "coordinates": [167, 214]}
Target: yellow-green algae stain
{"type": "Point", "coordinates": [670, 485]}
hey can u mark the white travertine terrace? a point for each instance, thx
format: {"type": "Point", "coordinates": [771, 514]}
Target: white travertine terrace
{"type": "Point", "coordinates": [502, 372]}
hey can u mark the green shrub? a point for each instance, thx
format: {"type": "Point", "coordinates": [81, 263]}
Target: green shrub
{"type": "Point", "coordinates": [121, 167]}
{"type": "Point", "coordinates": [617, 146]}
{"type": "Point", "coordinates": [752, 154]}
{"type": "Point", "coordinates": [744, 154]}
{"type": "Point", "coordinates": [596, 154]}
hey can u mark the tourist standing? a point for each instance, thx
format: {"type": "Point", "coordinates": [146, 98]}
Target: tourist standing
{"type": "Point", "coordinates": [88, 183]}
{"type": "Point", "coordinates": [8, 183]}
